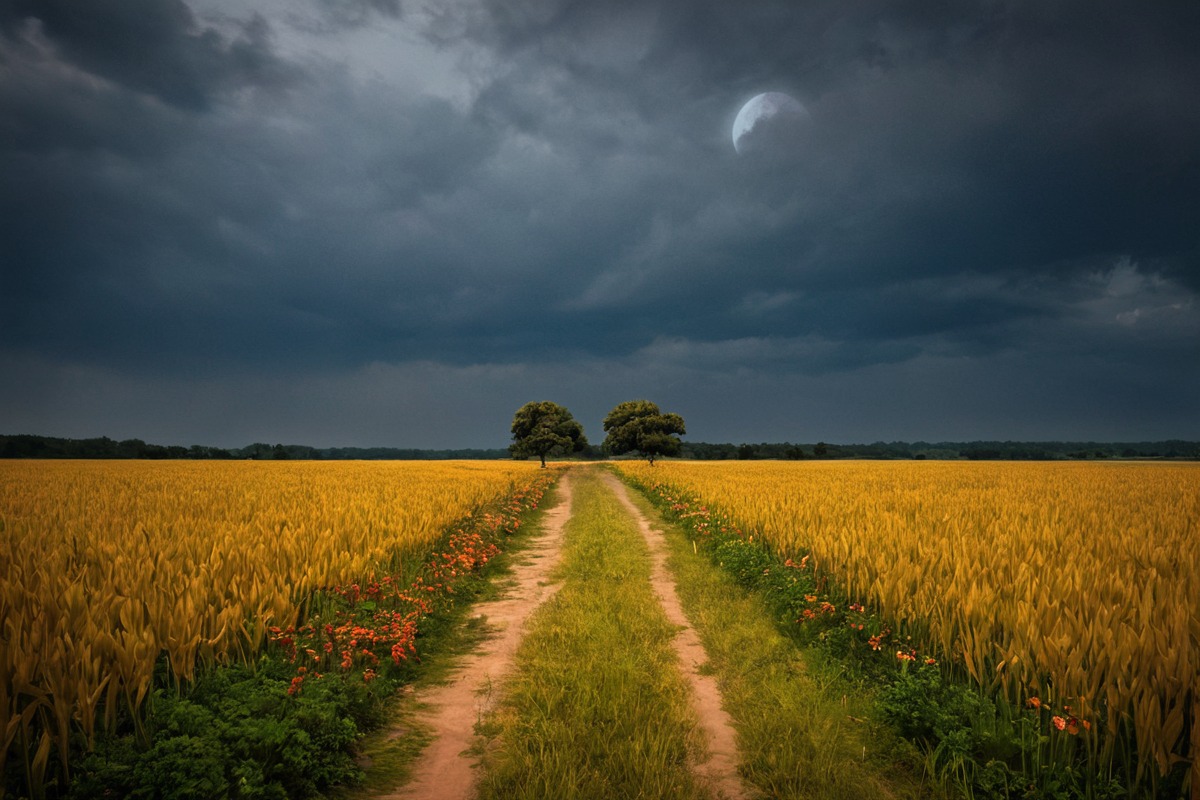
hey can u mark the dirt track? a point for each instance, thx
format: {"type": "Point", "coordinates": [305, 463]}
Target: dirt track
{"type": "Point", "coordinates": [445, 772]}
{"type": "Point", "coordinates": [720, 768]}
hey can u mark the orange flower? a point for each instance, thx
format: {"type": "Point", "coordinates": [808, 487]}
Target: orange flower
{"type": "Point", "coordinates": [1034, 702]}
{"type": "Point", "coordinates": [1059, 722]}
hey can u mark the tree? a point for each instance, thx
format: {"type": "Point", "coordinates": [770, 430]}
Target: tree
{"type": "Point", "coordinates": [545, 428]}
{"type": "Point", "coordinates": [638, 426]}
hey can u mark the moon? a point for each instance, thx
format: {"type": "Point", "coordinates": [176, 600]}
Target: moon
{"type": "Point", "coordinates": [767, 118]}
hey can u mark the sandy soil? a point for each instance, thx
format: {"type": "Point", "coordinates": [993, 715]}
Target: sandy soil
{"type": "Point", "coordinates": [720, 768]}
{"type": "Point", "coordinates": [444, 771]}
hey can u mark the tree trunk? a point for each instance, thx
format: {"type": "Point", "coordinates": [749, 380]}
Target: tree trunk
{"type": "Point", "coordinates": [543, 455]}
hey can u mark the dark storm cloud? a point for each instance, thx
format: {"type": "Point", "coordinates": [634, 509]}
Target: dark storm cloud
{"type": "Point", "coordinates": [947, 141]}
{"type": "Point", "coordinates": [155, 46]}
{"type": "Point", "coordinates": [154, 237]}
{"type": "Point", "coordinates": [497, 191]}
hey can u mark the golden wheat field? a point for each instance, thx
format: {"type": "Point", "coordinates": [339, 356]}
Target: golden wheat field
{"type": "Point", "coordinates": [105, 565]}
{"type": "Point", "coordinates": [1075, 583]}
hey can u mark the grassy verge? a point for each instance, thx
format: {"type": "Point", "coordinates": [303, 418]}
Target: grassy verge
{"type": "Point", "coordinates": [596, 707]}
{"type": "Point", "coordinates": [804, 730]}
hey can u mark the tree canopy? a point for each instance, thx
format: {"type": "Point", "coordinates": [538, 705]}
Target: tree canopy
{"type": "Point", "coordinates": [638, 426]}
{"type": "Point", "coordinates": [545, 428]}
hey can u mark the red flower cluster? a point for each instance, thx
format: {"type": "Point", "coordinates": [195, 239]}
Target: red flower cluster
{"type": "Point", "coordinates": [467, 551]}
{"type": "Point", "coordinates": [380, 619]}
{"type": "Point", "coordinates": [1068, 723]}
{"type": "Point", "coordinates": [699, 517]}
{"type": "Point", "coordinates": [822, 609]}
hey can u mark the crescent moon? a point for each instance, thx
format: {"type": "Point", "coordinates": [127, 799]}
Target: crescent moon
{"type": "Point", "coordinates": [765, 110]}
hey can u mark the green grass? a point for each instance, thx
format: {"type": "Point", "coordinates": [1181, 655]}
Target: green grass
{"type": "Point", "coordinates": [804, 731]}
{"type": "Point", "coordinates": [596, 707]}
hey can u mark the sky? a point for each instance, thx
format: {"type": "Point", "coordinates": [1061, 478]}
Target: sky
{"type": "Point", "coordinates": [391, 223]}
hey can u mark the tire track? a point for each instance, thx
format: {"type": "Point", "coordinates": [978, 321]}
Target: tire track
{"type": "Point", "coordinates": [444, 770]}
{"type": "Point", "coordinates": [719, 769]}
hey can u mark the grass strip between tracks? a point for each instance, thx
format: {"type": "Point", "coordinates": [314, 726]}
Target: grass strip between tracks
{"type": "Point", "coordinates": [596, 707]}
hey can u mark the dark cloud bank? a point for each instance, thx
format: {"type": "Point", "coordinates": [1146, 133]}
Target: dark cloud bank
{"type": "Point", "coordinates": [362, 223]}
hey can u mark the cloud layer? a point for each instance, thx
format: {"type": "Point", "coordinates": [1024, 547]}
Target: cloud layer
{"type": "Point", "coordinates": [352, 222]}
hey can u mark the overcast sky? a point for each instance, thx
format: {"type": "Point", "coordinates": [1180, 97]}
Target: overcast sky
{"type": "Point", "coordinates": [385, 222]}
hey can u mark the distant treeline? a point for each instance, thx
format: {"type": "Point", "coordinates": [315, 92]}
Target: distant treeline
{"type": "Point", "coordinates": [1007, 451]}
{"type": "Point", "coordinates": [28, 446]}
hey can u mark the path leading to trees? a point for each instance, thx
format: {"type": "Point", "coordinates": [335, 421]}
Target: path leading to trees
{"type": "Point", "coordinates": [447, 771]}
{"type": "Point", "coordinates": [720, 768]}
{"type": "Point", "coordinates": [444, 771]}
